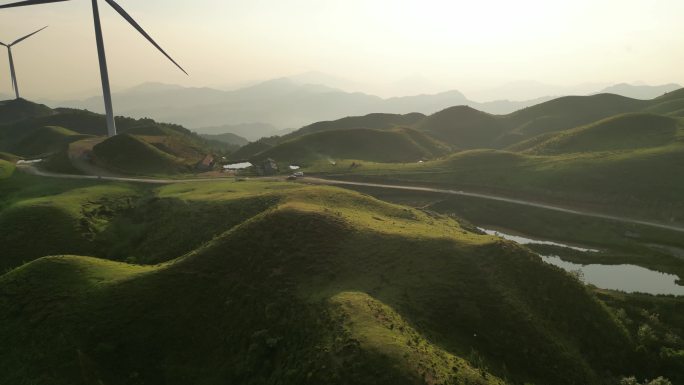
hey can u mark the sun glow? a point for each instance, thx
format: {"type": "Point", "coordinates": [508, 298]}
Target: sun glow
{"type": "Point", "coordinates": [453, 43]}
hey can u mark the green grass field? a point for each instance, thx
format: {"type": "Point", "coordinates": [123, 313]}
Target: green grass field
{"type": "Point", "coordinates": [131, 155]}
{"type": "Point", "coordinates": [263, 282]}
{"type": "Point", "coordinates": [637, 183]}
{"type": "Point", "coordinates": [619, 243]}
{"type": "Point", "coordinates": [6, 169]}
{"type": "Point", "coordinates": [253, 282]}
{"type": "Point", "coordinates": [146, 147]}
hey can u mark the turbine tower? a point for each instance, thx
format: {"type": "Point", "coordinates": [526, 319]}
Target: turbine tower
{"type": "Point", "coordinates": [13, 73]}
{"type": "Point", "coordinates": [104, 74]}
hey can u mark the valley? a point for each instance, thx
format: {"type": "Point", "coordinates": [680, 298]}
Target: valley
{"type": "Point", "coordinates": [414, 249]}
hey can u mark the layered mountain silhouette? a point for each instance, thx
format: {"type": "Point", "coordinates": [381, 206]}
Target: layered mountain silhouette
{"type": "Point", "coordinates": [265, 108]}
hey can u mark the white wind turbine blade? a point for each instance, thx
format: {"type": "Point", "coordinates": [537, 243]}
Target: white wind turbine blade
{"type": "Point", "coordinates": [30, 2]}
{"type": "Point", "coordinates": [26, 37]}
{"type": "Point", "coordinates": [137, 26]}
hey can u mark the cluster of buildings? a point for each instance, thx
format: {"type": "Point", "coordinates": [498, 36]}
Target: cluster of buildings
{"type": "Point", "coordinates": [264, 168]}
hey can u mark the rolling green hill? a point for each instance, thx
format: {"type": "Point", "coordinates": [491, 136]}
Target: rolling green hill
{"type": "Point", "coordinates": [6, 169]}
{"type": "Point", "coordinates": [393, 145]}
{"type": "Point", "coordinates": [317, 285]}
{"type": "Point", "coordinates": [162, 148]}
{"type": "Point", "coordinates": [131, 155]}
{"type": "Point", "coordinates": [638, 183]}
{"type": "Point", "coordinates": [16, 110]}
{"type": "Point", "coordinates": [250, 150]}
{"type": "Point", "coordinates": [44, 141]}
{"type": "Point", "coordinates": [228, 138]}
{"type": "Point", "coordinates": [622, 132]}
{"type": "Point", "coordinates": [371, 121]}
{"type": "Point", "coordinates": [463, 127]}
{"type": "Point", "coordinates": [569, 112]}
{"type": "Point", "coordinates": [9, 157]}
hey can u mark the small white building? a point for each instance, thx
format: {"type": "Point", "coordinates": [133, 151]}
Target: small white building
{"type": "Point", "coordinates": [238, 166]}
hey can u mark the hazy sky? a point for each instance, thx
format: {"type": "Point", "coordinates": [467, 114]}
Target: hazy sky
{"type": "Point", "coordinates": [431, 45]}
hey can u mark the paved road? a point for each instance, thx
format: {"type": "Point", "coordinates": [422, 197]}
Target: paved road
{"type": "Point", "coordinates": [32, 170]}
{"type": "Point", "coordinates": [502, 199]}
{"type": "Point", "coordinates": [29, 169]}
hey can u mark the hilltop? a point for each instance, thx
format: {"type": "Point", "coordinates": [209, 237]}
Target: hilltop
{"type": "Point", "coordinates": [463, 127]}
{"type": "Point", "coordinates": [228, 138]}
{"type": "Point", "coordinates": [274, 104]}
{"type": "Point", "coordinates": [622, 132]}
{"type": "Point", "coordinates": [19, 109]}
{"type": "Point", "coordinates": [68, 139]}
{"type": "Point", "coordinates": [290, 282]}
{"type": "Point", "coordinates": [640, 91]}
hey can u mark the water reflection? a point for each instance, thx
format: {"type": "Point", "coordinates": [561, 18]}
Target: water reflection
{"type": "Point", "coordinates": [529, 241]}
{"type": "Point", "coordinates": [627, 278]}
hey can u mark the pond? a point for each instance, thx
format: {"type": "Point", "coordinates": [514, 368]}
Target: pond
{"type": "Point", "coordinates": [627, 278]}
{"type": "Point", "coordinates": [529, 241]}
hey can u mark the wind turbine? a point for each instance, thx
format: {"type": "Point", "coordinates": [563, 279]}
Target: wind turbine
{"type": "Point", "coordinates": [13, 74]}
{"type": "Point", "coordinates": [104, 74]}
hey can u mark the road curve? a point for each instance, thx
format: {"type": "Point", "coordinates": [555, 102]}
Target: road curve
{"type": "Point", "coordinates": [502, 199]}
{"type": "Point", "coordinates": [32, 170]}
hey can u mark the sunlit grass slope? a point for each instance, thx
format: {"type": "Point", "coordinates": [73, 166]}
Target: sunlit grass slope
{"type": "Point", "coordinates": [6, 169]}
{"type": "Point", "coordinates": [626, 165]}
{"type": "Point", "coordinates": [41, 217]}
{"type": "Point", "coordinates": [309, 285]}
{"type": "Point", "coordinates": [622, 132]}
{"type": "Point", "coordinates": [46, 140]}
{"type": "Point", "coordinates": [568, 112]}
{"type": "Point", "coordinates": [63, 223]}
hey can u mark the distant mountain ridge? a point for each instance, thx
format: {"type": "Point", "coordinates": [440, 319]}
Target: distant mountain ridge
{"type": "Point", "coordinates": [641, 91]}
{"type": "Point", "coordinates": [292, 102]}
{"type": "Point", "coordinates": [465, 128]}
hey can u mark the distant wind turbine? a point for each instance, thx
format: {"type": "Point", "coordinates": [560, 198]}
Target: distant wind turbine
{"type": "Point", "coordinates": [13, 73]}
{"type": "Point", "coordinates": [106, 90]}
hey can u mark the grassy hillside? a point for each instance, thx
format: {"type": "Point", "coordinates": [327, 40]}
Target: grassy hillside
{"type": "Point", "coordinates": [46, 140]}
{"type": "Point", "coordinates": [394, 145]}
{"type": "Point", "coordinates": [82, 122]}
{"type": "Point", "coordinates": [227, 138]}
{"type": "Point", "coordinates": [463, 127]}
{"type": "Point", "coordinates": [56, 219]}
{"type": "Point", "coordinates": [315, 285]}
{"type": "Point", "coordinates": [371, 121]}
{"type": "Point", "coordinates": [622, 132]}
{"type": "Point", "coordinates": [569, 112]}
{"type": "Point", "coordinates": [250, 150]}
{"type": "Point", "coordinates": [132, 155]}
{"type": "Point", "coordinates": [466, 128]}
{"type": "Point", "coordinates": [631, 182]}
{"type": "Point", "coordinates": [16, 110]}
{"type": "Point", "coordinates": [9, 157]}
{"type": "Point", "coordinates": [49, 134]}
{"type": "Point", "coordinates": [6, 169]}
